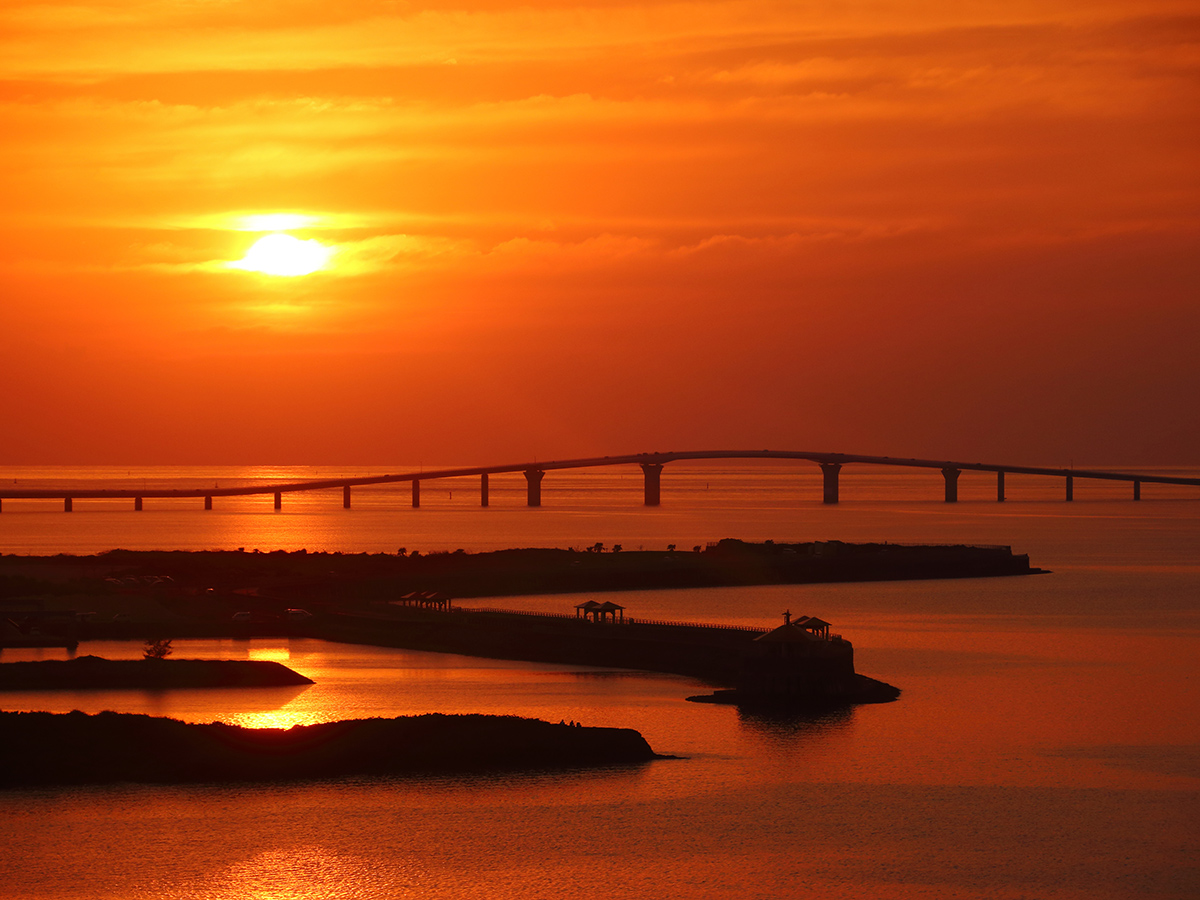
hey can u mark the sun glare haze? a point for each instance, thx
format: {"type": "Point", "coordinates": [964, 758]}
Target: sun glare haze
{"type": "Point", "coordinates": [275, 222]}
{"type": "Point", "coordinates": [284, 255]}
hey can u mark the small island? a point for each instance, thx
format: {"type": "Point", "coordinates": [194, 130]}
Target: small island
{"type": "Point", "coordinates": [48, 749]}
{"type": "Point", "coordinates": [800, 665]}
{"type": "Point", "coordinates": [96, 673]}
{"type": "Point", "coordinates": [855, 689]}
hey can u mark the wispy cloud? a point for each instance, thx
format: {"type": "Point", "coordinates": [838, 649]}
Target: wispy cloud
{"type": "Point", "coordinates": [762, 186]}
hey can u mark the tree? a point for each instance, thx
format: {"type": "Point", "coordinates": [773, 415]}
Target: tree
{"type": "Point", "coordinates": [157, 648]}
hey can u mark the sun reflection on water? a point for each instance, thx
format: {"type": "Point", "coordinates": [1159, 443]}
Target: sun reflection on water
{"type": "Point", "coordinates": [270, 654]}
{"type": "Point", "coordinates": [272, 718]}
{"type": "Point", "coordinates": [304, 873]}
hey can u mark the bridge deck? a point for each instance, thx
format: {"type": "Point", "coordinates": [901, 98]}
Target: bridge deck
{"type": "Point", "coordinates": [643, 459]}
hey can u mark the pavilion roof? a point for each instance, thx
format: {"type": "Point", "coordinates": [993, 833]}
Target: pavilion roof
{"type": "Point", "coordinates": [788, 633]}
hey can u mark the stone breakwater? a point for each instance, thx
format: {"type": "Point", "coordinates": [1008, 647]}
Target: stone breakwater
{"type": "Point", "coordinates": [808, 672]}
{"type": "Point", "coordinates": [44, 749]}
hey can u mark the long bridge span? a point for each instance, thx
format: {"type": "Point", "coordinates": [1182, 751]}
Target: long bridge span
{"type": "Point", "coordinates": [651, 465]}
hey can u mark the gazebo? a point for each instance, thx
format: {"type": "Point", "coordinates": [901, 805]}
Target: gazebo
{"type": "Point", "coordinates": [425, 600]}
{"type": "Point", "coordinates": [600, 612]}
{"type": "Point", "coordinates": [818, 627]}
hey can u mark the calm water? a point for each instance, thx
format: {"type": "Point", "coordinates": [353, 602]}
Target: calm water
{"type": "Point", "coordinates": [1047, 743]}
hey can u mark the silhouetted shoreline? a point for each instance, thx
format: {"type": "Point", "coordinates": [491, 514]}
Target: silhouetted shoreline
{"type": "Point", "coordinates": [410, 600]}
{"type": "Point", "coordinates": [95, 673]}
{"type": "Point", "coordinates": [48, 749]}
{"type": "Point", "coordinates": [198, 592]}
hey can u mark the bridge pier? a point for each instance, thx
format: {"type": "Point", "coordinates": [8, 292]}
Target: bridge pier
{"type": "Point", "coordinates": [416, 493]}
{"type": "Point", "coordinates": [483, 489]}
{"type": "Point", "coordinates": [278, 500]}
{"type": "Point", "coordinates": [67, 506]}
{"type": "Point", "coordinates": [1000, 486]}
{"type": "Point", "coordinates": [830, 473]}
{"type": "Point", "coordinates": [137, 504]}
{"type": "Point", "coordinates": [1137, 489]}
{"type": "Point", "coordinates": [1070, 488]}
{"type": "Point", "coordinates": [951, 476]}
{"type": "Point", "coordinates": [345, 496]}
{"type": "Point", "coordinates": [208, 502]}
{"type": "Point", "coordinates": [533, 493]}
{"type": "Point", "coordinates": [653, 478]}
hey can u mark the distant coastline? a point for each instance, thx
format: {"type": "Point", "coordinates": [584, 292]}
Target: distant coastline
{"type": "Point", "coordinates": [208, 587]}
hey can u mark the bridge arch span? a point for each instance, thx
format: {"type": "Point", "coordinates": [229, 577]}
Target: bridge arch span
{"type": "Point", "coordinates": [651, 464]}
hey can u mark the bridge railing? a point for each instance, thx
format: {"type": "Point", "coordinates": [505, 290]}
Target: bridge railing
{"type": "Point", "coordinates": [515, 612]}
{"type": "Point", "coordinates": [749, 629]}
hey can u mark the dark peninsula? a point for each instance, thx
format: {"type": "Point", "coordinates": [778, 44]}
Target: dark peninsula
{"type": "Point", "coordinates": [94, 673]}
{"type": "Point", "coordinates": [197, 592]}
{"type": "Point", "coordinates": [45, 749]}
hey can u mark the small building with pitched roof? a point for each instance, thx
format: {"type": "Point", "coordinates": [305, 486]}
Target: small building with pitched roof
{"type": "Point", "coordinates": [799, 661]}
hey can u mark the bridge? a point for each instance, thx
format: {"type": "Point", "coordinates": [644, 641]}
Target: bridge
{"type": "Point", "coordinates": [651, 465]}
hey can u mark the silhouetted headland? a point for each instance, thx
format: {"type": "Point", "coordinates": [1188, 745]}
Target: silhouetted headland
{"type": "Point", "coordinates": [44, 748]}
{"type": "Point", "coordinates": [61, 599]}
{"type": "Point", "coordinates": [93, 672]}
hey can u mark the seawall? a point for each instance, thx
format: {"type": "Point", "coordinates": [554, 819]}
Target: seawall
{"type": "Point", "coordinates": [812, 670]}
{"type": "Point", "coordinates": [712, 653]}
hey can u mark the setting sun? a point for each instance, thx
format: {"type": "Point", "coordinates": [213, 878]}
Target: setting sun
{"type": "Point", "coordinates": [282, 254]}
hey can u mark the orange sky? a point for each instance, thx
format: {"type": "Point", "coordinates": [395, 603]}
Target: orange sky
{"type": "Point", "coordinates": [959, 230]}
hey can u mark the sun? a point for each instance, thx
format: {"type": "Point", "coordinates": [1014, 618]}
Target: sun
{"type": "Point", "coordinates": [284, 255]}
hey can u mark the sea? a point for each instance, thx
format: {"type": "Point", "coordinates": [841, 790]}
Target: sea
{"type": "Point", "coordinates": [1046, 743]}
